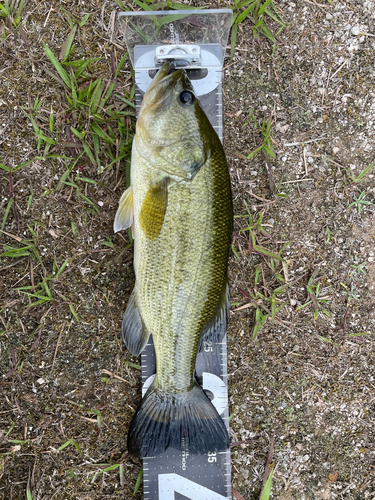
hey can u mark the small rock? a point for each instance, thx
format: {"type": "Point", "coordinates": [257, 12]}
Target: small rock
{"type": "Point", "coordinates": [335, 150]}
{"type": "Point", "coordinates": [355, 31]}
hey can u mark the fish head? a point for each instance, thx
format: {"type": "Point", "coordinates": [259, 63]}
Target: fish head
{"type": "Point", "coordinates": [173, 132]}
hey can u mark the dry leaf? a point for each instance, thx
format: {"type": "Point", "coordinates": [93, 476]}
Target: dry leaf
{"type": "Point", "coordinates": [237, 495]}
{"type": "Point", "coordinates": [333, 477]}
{"type": "Point", "coordinates": [53, 233]}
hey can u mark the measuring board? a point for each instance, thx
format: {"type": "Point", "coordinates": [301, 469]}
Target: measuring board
{"type": "Point", "coordinates": [195, 40]}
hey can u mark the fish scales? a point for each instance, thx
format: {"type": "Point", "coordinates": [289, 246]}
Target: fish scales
{"type": "Point", "coordinates": [182, 223]}
{"type": "Point", "coordinates": [181, 274]}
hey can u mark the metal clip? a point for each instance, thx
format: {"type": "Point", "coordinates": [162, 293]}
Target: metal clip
{"type": "Point", "coordinates": [181, 55]}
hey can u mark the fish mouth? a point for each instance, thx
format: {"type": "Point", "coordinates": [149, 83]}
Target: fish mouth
{"type": "Point", "coordinates": [167, 72]}
{"type": "Point", "coordinates": [160, 92]}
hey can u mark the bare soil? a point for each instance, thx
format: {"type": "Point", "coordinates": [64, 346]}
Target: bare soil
{"type": "Point", "coordinates": [308, 378]}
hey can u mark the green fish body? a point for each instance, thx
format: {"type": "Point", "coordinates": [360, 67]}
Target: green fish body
{"type": "Point", "coordinates": [180, 208]}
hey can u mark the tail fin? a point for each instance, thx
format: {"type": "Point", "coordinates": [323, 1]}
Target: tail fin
{"type": "Point", "coordinates": [163, 420]}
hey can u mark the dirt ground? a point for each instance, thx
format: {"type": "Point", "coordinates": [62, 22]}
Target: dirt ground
{"type": "Point", "coordinates": [69, 387]}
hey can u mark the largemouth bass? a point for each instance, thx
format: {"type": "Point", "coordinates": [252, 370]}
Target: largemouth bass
{"type": "Point", "coordinates": [180, 208]}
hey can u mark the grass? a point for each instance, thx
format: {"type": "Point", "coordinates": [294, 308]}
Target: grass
{"type": "Point", "coordinates": [138, 482]}
{"type": "Point", "coordinates": [313, 290]}
{"type": "Point", "coordinates": [10, 205]}
{"type": "Point", "coordinates": [266, 146]}
{"type": "Point", "coordinates": [265, 140]}
{"type": "Point", "coordinates": [68, 443]}
{"type": "Point", "coordinates": [266, 302]}
{"type": "Point", "coordinates": [350, 179]}
{"type": "Point", "coordinates": [266, 491]}
{"type": "Point", "coordinates": [259, 13]}
{"type": "Point", "coordinates": [359, 202]}
{"type": "Point", "coordinates": [42, 291]}
{"type": "Point", "coordinates": [365, 171]}
{"type": "Point", "coordinates": [100, 121]}
{"type": "Point", "coordinates": [358, 266]}
{"type": "Point", "coordinates": [11, 11]}
{"type": "Point", "coordinates": [255, 229]}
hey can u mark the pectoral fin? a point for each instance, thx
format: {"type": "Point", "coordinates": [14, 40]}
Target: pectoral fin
{"type": "Point", "coordinates": [133, 330]}
{"type": "Point", "coordinates": [125, 213]}
{"type": "Point", "coordinates": [153, 209]}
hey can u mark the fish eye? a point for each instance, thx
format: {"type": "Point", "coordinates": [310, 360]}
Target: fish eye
{"type": "Point", "coordinates": [186, 98]}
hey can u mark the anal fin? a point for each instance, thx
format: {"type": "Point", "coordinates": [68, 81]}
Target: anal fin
{"type": "Point", "coordinates": [214, 331]}
{"type": "Point", "coordinates": [133, 330]}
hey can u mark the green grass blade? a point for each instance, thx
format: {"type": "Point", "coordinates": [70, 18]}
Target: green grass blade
{"type": "Point", "coordinates": [84, 20]}
{"type": "Point", "coordinates": [88, 151]}
{"type": "Point", "coordinates": [15, 252]}
{"type": "Point", "coordinates": [78, 134]}
{"type": "Point", "coordinates": [72, 310]}
{"type": "Point", "coordinates": [61, 71]}
{"type": "Point", "coordinates": [76, 446]}
{"type": "Point", "coordinates": [96, 141]}
{"type": "Point", "coordinates": [138, 482]}
{"type": "Point", "coordinates": [61, 270]}
{"type": "Point", "coordinates": [42, 300]}
{"type": "Point", "coordinates": [20, 9]}
{"type": "Point", "coordinates": [266, 492]}
{"type": "Point", "coordinates": [233, 38]}
{"type": "Point", "coordinates": [246, 2]}
{"type": "Point", "coordinates": [263, 7]}
{"type": "Point", "coordinates": [108, 94]}
{"type": "Point", "coordinates": [86, 179]}
{"type": "Point", "coordinates": [273, 307]}
{"type": "Point", "coordinates": [121, 63]}
{"type": "Point", "coordinates": [129, 103]}
{"type": "Point", "coordinates": [363, 173]}
{"type": "Point", "coordinates": [111, 467]}
{"type": "Point", "coordinates": [257, 273]}
{"type": "Point", "coordinates": [268, 33]}
{"type": "Point", "coordinates": [64, 445]}
{"type": "Point", "coordinates": [263, 250]}
{"type": "Point", "coordinates": [62, 179]}
{"type": "Point", "coordinates": [100, 132]}
{"type": "Point", "coordinates": [7, 210]}
{"type": "Point", "coordinates": [96, 95]}
{"type": "Point", "coordinates": [142, 5]}
{"type": "Point", "coordinates": [65, 49]}
{"type": "Point", "coordinates": [244, 14]}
